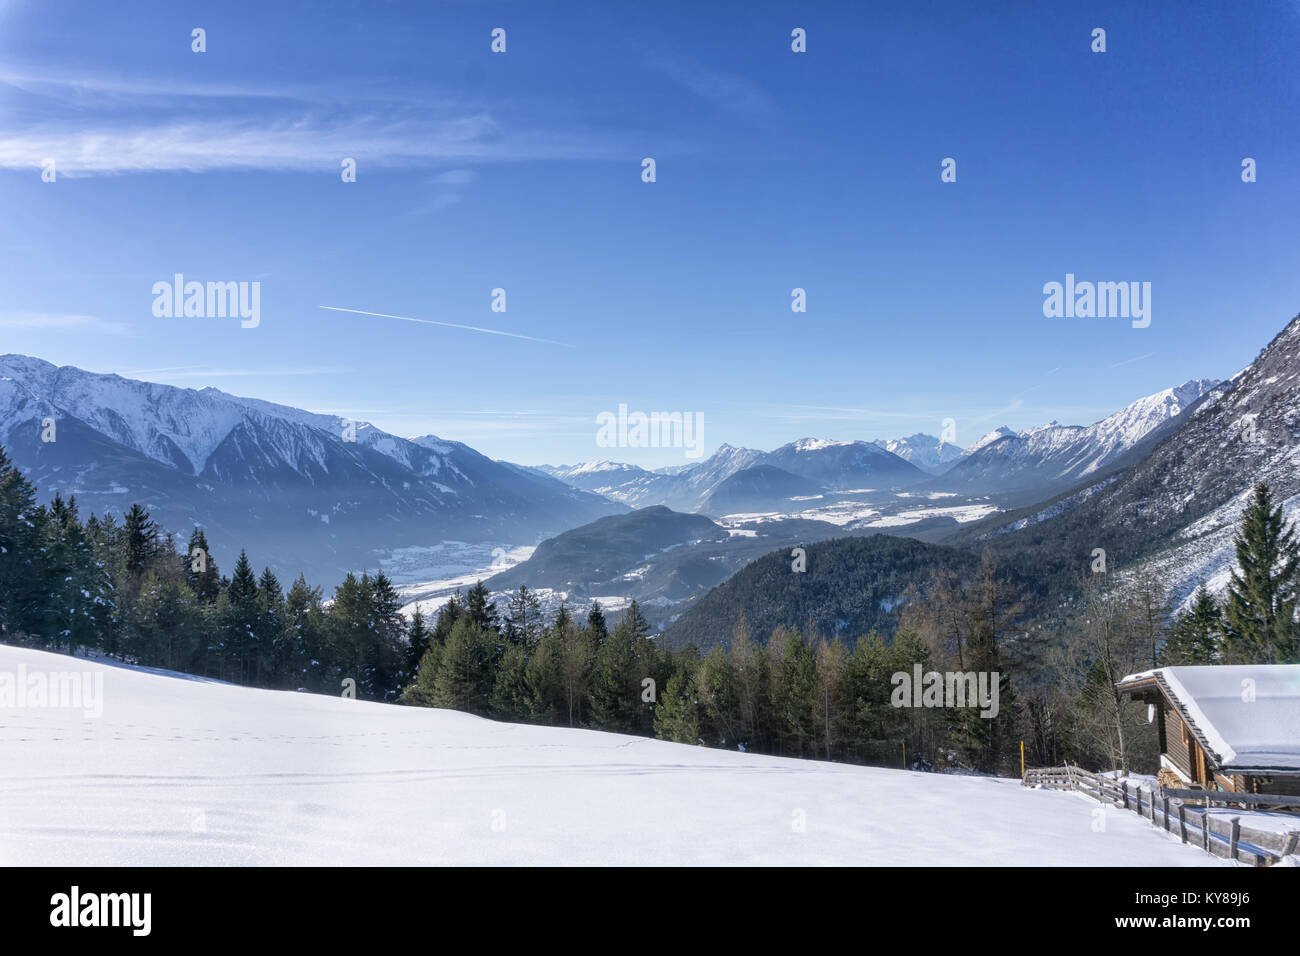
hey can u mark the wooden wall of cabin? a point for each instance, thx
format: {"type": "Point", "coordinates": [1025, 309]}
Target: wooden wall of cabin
{"type": "Point", "coordinates": [1176, 742]}
{"type": "Point", "coordinates": [1289, 785]}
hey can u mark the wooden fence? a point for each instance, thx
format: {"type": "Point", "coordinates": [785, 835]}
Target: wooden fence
{"type": "Point", "coordinates": [1185, 812]}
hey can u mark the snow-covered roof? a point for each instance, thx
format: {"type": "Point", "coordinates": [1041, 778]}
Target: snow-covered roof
{"type": "Point", "coordinates": [1247, 715]}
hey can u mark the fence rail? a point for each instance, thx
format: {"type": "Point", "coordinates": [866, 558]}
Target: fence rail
{"type": "Point", "coordinates": [1185, 812]}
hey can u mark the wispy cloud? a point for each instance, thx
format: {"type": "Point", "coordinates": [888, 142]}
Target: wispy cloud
{"type": "Point", "coordinates": [307, 143]}
{"type": "Point", "coordinates": [727, 91]}
{"type": "Point", "coordinates": [449, 325]}
{"type": "Point", "coordinates": [91, 125]}
{"type": "Point", "coordinates": [63, 322]}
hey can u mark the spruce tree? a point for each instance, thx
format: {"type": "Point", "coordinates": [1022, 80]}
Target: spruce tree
{"type": "Point", "coordinates": [716, 686]}
{"type": "Point", "coordinates": [616, 683]}
{"type": "Point", "coordinates": [272, 662]}
{"type": "Point", "coordinates": [417, 637]}
{"type": "Point", "coordinates": [305, 623]}
{"type": "Point", "coordinates": [510, 694]}
{"type": "Point", "coordinates": [596, 625]}
{"type": "Point", "coordinates": [677, 715]}
{"type": "Point", "coordinates": [545, 675]}
{"type": "Point", "coordinates": [22, 571]}
{"type": "Point", "coordinates": [141, 539]}
{"type": "Point", "coordinates": [201, 568]}
{"type": "Point", "coordinates": [464, 677]}
{"type": "Point", "coordinates": [1259, 622]}
{"type": "Point", "coordinates": [241, 619]}
{"type": "Point", "coordinates": [385, 652]}
{"type": "Point", "coordinates": [524, 618]}
{"type": "Point", "coordinates": [481, 610]}
{"type": "Point", "coordinates": [1196, 634]}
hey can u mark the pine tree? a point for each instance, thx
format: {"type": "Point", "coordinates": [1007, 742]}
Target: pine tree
{"type": "Point", "coordinates": [596, 625]}
{"type": "Point", "coordinates": [74, 583]}
{"type": "Point", "coordinates": [418, 636]}
{"type": "Point", "coordinates": [677, 716]}
{"type": "Point", "coordinates": [201, 571]}
{"type": "Point", "coordinates": [753, 687]}
{"type": "Point", "coordinates": [829, 704]}
{"type": "Point", "coordinates": [481, 610]}
{"type": "Point", "coordinates": [448, 614]}
{"type": "Point", "coordinates": [545, 675]}
{"type": "Point", "coordinates": [511, 699]}
{"type": "Point", "coordinates": [464, 678]}
{"type": "Point", "coordinates": [385, 655]}
{"type": "Point", "coordinates": [22, 570]}
{"type": "Point", "coordinates": [716, 686]}
{"type": "Point", "coordinates": [524, 618]}
{"type": "Point", "coordinates": [305, 623]}
{"type": "Point", "coordinates": [794, 681]}
{"type": "Point", "coordinates": [241, 619]}
{"type": "Point", "coordinates": [419, 692]}
{"type": "Point", "coordinates": [1259, 623]}
{"type": "Point", "coordinates": [576, 662]}
{"type": "Point", "coordinates": [141, 540]}
{"type": "Point", "coordinates": [1196, 634]}
{"type": "Point", "coordinates": [274, 650]}
{"type": "Point", "coordinates": [616, 683]}
{"type": "Point", "coordinates": [651, 664]}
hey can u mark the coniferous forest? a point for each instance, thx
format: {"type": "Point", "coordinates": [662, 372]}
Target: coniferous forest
{"type": "Point", "coordinates": [124, 589]}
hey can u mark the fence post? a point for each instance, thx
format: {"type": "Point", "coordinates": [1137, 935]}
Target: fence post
{"type": "Point", "coordinates": [1123, 786]}
{"type": "Point", "coordinates": [1182, 821]}
{"type": "Point", "coordinates": [1164, 807]}
{"type": "Point", "coordinates": [1236, 834]}
{"type": "Point", "coordinates": [1205, 829]}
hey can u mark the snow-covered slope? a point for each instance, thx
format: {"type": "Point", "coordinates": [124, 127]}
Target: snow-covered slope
{"type": "Point", "coordinates": [192, 772]}
{"type": "Point", "coordinates": [627, 484]}
{"type": "Point", "coordinates": [930, 454]}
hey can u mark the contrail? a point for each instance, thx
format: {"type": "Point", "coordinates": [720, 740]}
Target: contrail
{"type": "Point", "coordinates": [1132, 360]}
{"type": "Point", "coordinates": [449, 325]}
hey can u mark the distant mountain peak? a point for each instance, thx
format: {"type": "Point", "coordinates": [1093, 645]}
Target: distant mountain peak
{"type": "Point", "coordinates": [304, 491]}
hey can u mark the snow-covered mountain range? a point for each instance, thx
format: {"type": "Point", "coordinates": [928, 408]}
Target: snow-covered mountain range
{"type": "Point", "coordinates": [1054, 456]}
{"type": "Point", "coordinates": [809, 466]}
{"type": "Point", "coordinates": [302, 491]}
{"type": "Point", "coordinates": [1021, 464]}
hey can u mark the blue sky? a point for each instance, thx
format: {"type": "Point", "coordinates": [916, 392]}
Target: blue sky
{"type": "Point", "coordinates": [775, 170]}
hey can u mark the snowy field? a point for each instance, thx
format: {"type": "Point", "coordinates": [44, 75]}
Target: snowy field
{"type": "Point", "coordinates": [429, 576]}
{"type": "Point", "coordinates": [182, 771]}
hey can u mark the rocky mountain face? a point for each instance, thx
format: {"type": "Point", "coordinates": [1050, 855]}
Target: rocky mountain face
{"type": "Point", "coordinates": [301, 491]}
{"type": "Point", "coordinates": [1176, 508]}
{"type": "Point", "coordinates": [1052, 457]}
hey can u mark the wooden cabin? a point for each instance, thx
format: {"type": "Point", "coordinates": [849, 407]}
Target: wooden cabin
{"type": "Point", "coordinates": [1226, 727]}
